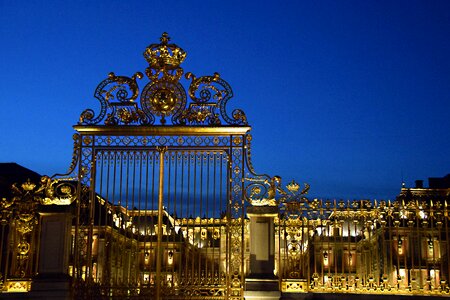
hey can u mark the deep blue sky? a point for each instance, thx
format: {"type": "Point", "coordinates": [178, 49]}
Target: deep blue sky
{"type": "Point", "coordinates": [350, 96]}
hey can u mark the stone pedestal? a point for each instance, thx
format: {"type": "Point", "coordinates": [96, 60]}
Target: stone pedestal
{"type": "Point", "coordinates": [53, 280]}
{"type": "Point", "coordinates": [261, 283]}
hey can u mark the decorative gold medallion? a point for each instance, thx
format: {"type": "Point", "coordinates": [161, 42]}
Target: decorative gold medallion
{"type": "Point", "coordinates": [164, 101]}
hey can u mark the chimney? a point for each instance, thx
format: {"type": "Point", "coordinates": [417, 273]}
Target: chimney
{"type": "Point", "coordinates": [419, 184]}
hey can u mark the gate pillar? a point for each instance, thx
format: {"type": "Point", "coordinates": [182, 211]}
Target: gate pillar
{"type": "Point", "coordinates": [53, 280]}
{"type": "Point", "coordinates": [261, 283]}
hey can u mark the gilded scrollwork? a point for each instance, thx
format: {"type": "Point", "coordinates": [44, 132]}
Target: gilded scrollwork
{"type": "Point", "coordinates": [267, 191]}
{"type": "Point", "coordinates": [71, 174]}
{"type": "Point", "coordinates": [117, 95]}
{"type": "Point", "coordinates": [210, 95]}
{"type": "Point", "coordinates": [49, 191]}
{"type": "Point", "coordinates": [164, 95]}
{"type": "Point", "coordinates": [58, 191]}
{"type": "Point", "coordinates": [264, 190]}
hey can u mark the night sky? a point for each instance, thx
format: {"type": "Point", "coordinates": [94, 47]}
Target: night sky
{"type": "Point", "coordinates": [350, 96]}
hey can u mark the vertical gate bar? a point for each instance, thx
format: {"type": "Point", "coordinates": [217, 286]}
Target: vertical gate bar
{"type": "Point", "coordinates": [126, 233]}
{"type": "Point", "coordinates": [283, 271]}
{"type": "Point", "coordinates": [363, 268]}
{"type": "Point", "coordinates": [341, 242]}
{"type": "Point", "coordinates": [145, 223]}
{"type": "Point", "coordinates": [138, 225]}
{"type": "Point", "coordinates": [114, 244]}
{"type": "Point", "coordinates": [348, 220]}
{"type": "Point", "coordinates": [124, 258]}
{"type": "Point", "coordinates": [280, 241]}
{"type": "Point", "coordinates": [334, 242]}
{"type": "Point", "coordinates": [314, 224]}
{"type": "Point", "coordinates": [242, 216]}
{"type": "Point", "coordinates": [152, 250]}
{"type": "Point", "coordinates": [411, 246]}
{"type": "Point", "coordinates": [195, 217]}
{"type": "Point", "coordinates": [91, 215]}
{"type": "Point", "coordinates": [384, 254]}
{"type": "Point", "coordinates": [132, 281]}
{"type": "Point", "coordinates": [175, 277]}
{"type": "Point", "coordinates": [189, 271]}
{"type": "Point", "coordinates": [397, 232]}
{"type": "Point", "coordinates": [9, 236]}
{"type": "Point", "coordinates": [99, 217]}
{"type": "Point", "coordinates": [214, 258]}
{"type": "Point", "coordinates": [127, 180]}
{"type": "Point", "coordinates": [3, 224]}
{"type": "Point", "coordinates": [358, 273]}
{"type": "Point", "coordinates": [403, 233]}
{"type": "Point", "coordinates": [208, 244]}
{"type": "Point", "coordinates": [200, 216]}
{"type": "Point", "coordinates": [118, 204]}
{"type": "Point", "coordinates": [115, 159]}
{"type": "Point", "coordinates": [328, 246]}
{"type": "Point", "coordinates": [76, 267]}
{"type": "Point", "coordinates": [169, 181]}
{"type": "Point", "coordinates": [221, 218]}
{"type": "Point", "coordinates": [329, 236]}
{"type": "Point", "coordinates": [389, 228]}
{"type": "Point", "coordinates": [36, 241]}
{"type": "Point", "coordinates": [168, 187]}
{"type": "Point", "coordinates": [441, 263]}
{"type": "Point", "coordinates": [285, 254]}
{"type": "Point", "coordinates": [133, 181]}
{"type": "Point", "coordinates": [150, 208]}
{"type": "Point", "coordinates": [308, 241]}
{"type": "Point", "coordinates": [110, 163]}
{"type": "Point", "coordinates": [369, 251]}
{"type": "Point", "coordinates": [446, 216]}
{"type": "Point", "coordinates": [336, 247]}
{"type": "Point", "coordinates": [419, 243]}
{"type": "Point", "coordinates": [122, 156]}
{"type": "Point", "coordinates": [148, 219]}
{"type": "Point", "coordinates": [432, 236]}
{"type": "Point", "coordinates": [405, 247]}
{"type": "Point", "coordinates": [424, 253]}
{"type": "Point", "coordinates": [183, 250]}
{"type": "Point", "coordinates": [435, 236]}
{"type": "Point", "coordinates": [162, 151]}
{"type": "Point", "coordinates": [228, 215]}
{"type": "Point", "coordinates": [322, 247]}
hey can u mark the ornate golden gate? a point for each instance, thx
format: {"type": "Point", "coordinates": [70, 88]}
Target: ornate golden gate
{"type": "Point", "coordinates": [160, 209]}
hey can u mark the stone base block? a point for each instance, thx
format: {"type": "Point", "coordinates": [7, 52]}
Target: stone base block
{"type": "Point", "coordinates": [54, 287]}
{"type": "Point", "coordinates": [262, 295]}
{"type": "Point", "coordinates": [259, 284]}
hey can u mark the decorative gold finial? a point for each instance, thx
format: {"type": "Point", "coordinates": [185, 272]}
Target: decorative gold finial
{"type": "Point", "coordinates": [28, 185]}
{"type": "Point", "coordinates": [293, 186]}
{"type": "Point", "coordinates": [164, 38]}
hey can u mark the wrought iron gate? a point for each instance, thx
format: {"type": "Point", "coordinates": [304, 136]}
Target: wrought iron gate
{"type": "Point", "coordinates": [160, 210]}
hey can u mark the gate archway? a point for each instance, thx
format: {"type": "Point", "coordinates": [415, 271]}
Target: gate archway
{"type": "Point", "coordinates": [160, 209]}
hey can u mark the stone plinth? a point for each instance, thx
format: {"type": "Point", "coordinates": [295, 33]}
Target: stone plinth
{"type": "Point", "coordinates": [53, 281]}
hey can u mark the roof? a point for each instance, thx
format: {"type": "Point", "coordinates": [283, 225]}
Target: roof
{"type": "Point", "coordinates": [11, 173]}
{"type": "Point", "coordinates": [439, 182]}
